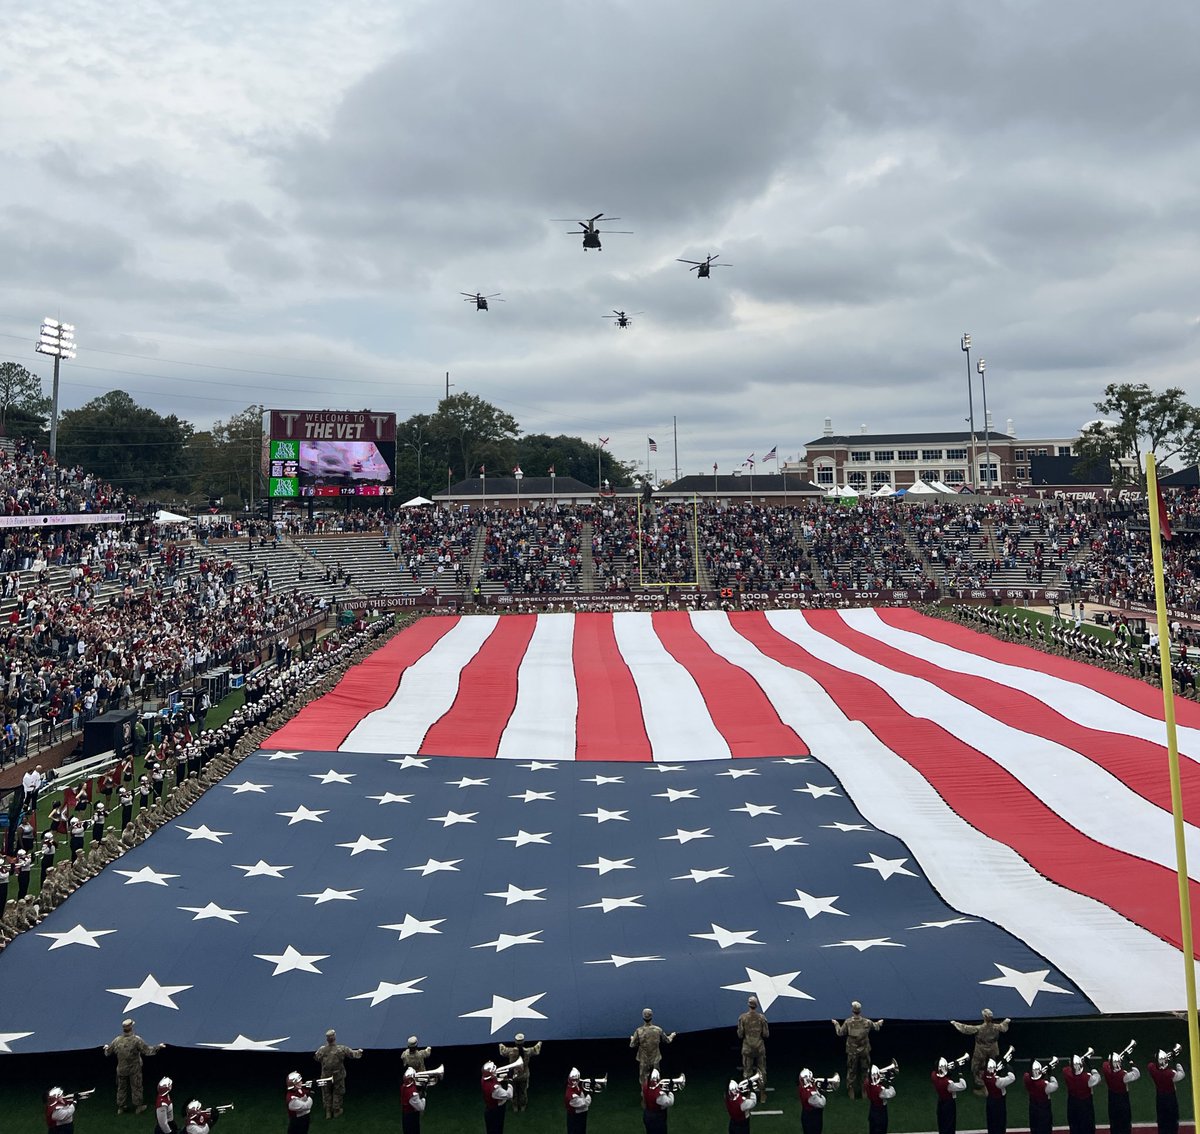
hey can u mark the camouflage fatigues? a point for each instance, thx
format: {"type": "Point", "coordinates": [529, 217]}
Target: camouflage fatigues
{"type": "Point", "coordinates": [332, 1058]}
{"type": "Point", "coordinates": [752, 1030]}
{"type": "Point", "coordinates": [415, 1057]}
{"type": "Point", "coordinates": [857, 1030]}
{"type": "Point", "coordinates": [520, 1077]}
{"type": "Point", "coordinates": [129, 1050]}
{"type": "Point", "coordinates": [648, 1040]}
{"type": "Point", "coordinates": [987, 1043]}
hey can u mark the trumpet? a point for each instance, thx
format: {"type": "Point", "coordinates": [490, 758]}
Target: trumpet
{"type": "Point", "coordinates": [826, 1085]}
{"type": "Point", "coordinates": [889, 1073]}
{"type": "Point", "coordinates": [508, 1070]}
{"type": "Point", "coordinates": [79, 1096]}
{"type": "Point", "coordinates": [223, 1107]}
{"type": "Point", "coordinates": [1086, 1055]}
{"type": "Point", "coordinates": [1127, 1050]}
{"type": "Point", "coordinates": [1048, 1065]}
{"type": "Point", "coordinates": [754, 1083]}
{"type": "Point", "coordinates": [1172, 1053]}
{"type": "Point", "coordinates": [673, 1085]}
{"type": "Point", "coordinates": [431, 1077]}
{"type": "Point", "coordinates": [961, 1061]}
{"type": "Point", "coordinates": [310, 1083]}
{"type": "Point", "coordinates": [594, 1085]}
{"type": "Point", "coordinates": [1004, 1060]}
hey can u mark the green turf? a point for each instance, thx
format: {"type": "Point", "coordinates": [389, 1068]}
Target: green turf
{"type": "Point", "coordinates": [254, 1082]}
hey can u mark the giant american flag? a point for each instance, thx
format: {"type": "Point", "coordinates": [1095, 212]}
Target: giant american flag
{"type": "Point", "coordinates": [544, 823]}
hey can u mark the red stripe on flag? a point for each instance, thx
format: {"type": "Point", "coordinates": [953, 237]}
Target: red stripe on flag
{"type": "Point", "coordinates": [325, 723]}
{"type": "Point", "coordinates": [741, 711]}
{"type": "Point", "coordinates": [1139, 764]}
{"type": "Point", "coordinates": [609, 724]}
{"type": "Point", "coordinates": [487, 694]}
{"type": "Point", "coordinates": [991, 800]}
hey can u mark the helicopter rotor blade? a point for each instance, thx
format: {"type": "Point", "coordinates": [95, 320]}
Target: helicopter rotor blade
{"type": "Point", "coordinates": [598, 216]}
{"type": "Point", "coordinates": [616, 231]}
{"type": "Point", "coordinates": [679, 261]}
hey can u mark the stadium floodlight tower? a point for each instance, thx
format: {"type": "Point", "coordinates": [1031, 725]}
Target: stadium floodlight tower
{"type": "Point", "coordinates": [57, 340]}
{"type": "Point", "coordinates": [966, 346]}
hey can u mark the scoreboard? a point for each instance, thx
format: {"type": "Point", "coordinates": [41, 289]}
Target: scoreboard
{"type": "Point", "coordinates": [331, 453]}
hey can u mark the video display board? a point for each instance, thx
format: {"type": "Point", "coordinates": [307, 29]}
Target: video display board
{"type": "Point", "coordinates": [331, 453]}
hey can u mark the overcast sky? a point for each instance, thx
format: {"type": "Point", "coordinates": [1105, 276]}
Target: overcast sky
{"type": "Point", "coordinates": [280, 201]}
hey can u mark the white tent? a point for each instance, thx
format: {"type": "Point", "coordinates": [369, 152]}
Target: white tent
{"type": "Point", "coordinates": [162, 516]}
{"type": "Point", "coordinates": [941, 486]}
{"type": "Point", "coordinates": [921, 489]}
{"type": "Point", "coordinates": [416, 502]}
{"type": "Point", "coordinates": [884, 490]}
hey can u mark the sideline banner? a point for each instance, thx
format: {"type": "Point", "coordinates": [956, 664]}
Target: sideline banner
{"type": "Point", "coordinates": [61, 520]}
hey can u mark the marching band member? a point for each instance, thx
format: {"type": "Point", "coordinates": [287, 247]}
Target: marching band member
{"type": "Point", "coordinates": [812, 1103]}
{"type": "Point", "coordinates": [656, 1101]}
{"type": "Point", "coordinates": [739, 1104]}
{"type": "Point", "coordinates": [996, 1083]}
{"type": "Point", "coordinates": [1120, 1118]}
{"type": "Point", "coordinates": [495, 1095]}
{"type": "Point", "coordinates": [1166, 1102]}
{"type": "Point", "coordinates": [164, 1108]}
{"type": "Point", "coordinates": [877, 1092]}
{"type": "Point", "coordinates": [1081, 1109]}
{"type": "Point", "coordinates": [60, 1114]}
{"type": "Point", "coordinates": [947, 1089]}
{"type": "Point", "coordinates": [1040, 1087]}
{"type": "Point", "coordinates": [299, 1103]}
{"type": "Point", "coordinates": [577, 1102]}
{"type": "Point", "coordinates": [199, 1120]}
{"type": "Point", "coordinates": [412, 1102]}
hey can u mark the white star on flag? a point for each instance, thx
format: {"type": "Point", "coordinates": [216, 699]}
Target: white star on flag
{"type": "Point", "coordinates": [292, 960]}
{"type": "Point", "coordinates": [727, 937]}
{"type": "Point", "coordinates": [150, 992]}
{"type": "Point", "coordinates": [539, 766]}
{"type": "Point", "coordinates": [1027, 985]}
{"type": "Point", "coordinates": [433, 865]}
{"type": "Point", "coordinates": [738, 773]}
{"type": "Point", "coordinates": [247, 786]}
{"type": "Point", "coordinates": [411, 926]}
{"type": "Point", "coordinates": [146, 874]}
{"type": "Point", "coordinates": [11, 1037]}
{"type": "Point", "coordinates": [813, 906]}
{"type": "Point", "coordinates": [390, 797]}
{"type": "Point", "coordinates": [843, 827]}
{"type": "Point", "coordinates": [681, 836]}
{"type": "Point", "coordinates": [76, 936]}
{"type": "Point", "coordinates": [466, 782]}
{"type": "Point", "coordinates": [244, 1043]}
{"type": "Point", "coordinates": [697, 875]}
{"type": "Point", "coordinates": [262, 869]}
{"type": "Point", "coordinates": [332, 777]}
{"type": "Point", "coordinates": [886, 866]}
{"type": "Point", "coordinates": [203, 832]}
{"type": "Point", "coordinates": [524, 838]}
{"type": "Point", "coordinates": [284, 756]}
{"type": "Point", "coordinates": [607, 905]}
{"type": "Point", "coordinates": [600, 781]}
{"type": "Point", "coordinates": [328, 895]}
{"type": "Point", "coordinates": [412, 762]}
{"type": "Point", "coordinates": [603, 815]}
{"type": "Point", "coordinates": [605, 866]}
{"type": "Point", "coordinates": [452, 818]}
{"type": "Point", "coordinates": [365, 843]}
{"type": "Point", "coordinates": [673, 794]}
{"type": "Point", "coordinates": [503, 1011]}
{"type": "Point", "coordinates": [619, 962]}
{"type": "Point", "coordinates": [515, 894]}
{"type": "Point", "coordinates": [664, 768]}
{"type": "Point", "coordinates": [385, 990]}
{"type": "Point", "coordinates": [533, 796]}
{"type": "Point", "coordinates": [754, 810]}
{"type": "Point", "coordinates": [213, 911]}
{"type": "Point", "coordinates": [944, 924]}
{"type": "Point", "coordinates": [794, 760]}
{"type": "Point", "coordinates": [508, 940]}
{"type": "Point", "coordinates": [779, 844]}
{"type": "Point", "coordinates": [817, 792]}
{"type": "Point", "coordinates": [769, 988]}
{"type": "Point", "coordinates": [302, 814]}
{"type": "Point", "coordinates": [865, 943]}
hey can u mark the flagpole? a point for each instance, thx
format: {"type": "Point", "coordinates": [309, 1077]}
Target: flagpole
{"type": "Point", "coordinates": [675, 431]}
{"type": "Point", "coordinates": [1155, 509]}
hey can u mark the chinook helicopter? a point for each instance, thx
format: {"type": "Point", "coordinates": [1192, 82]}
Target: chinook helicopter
{"type": "Point", "coordinates": [590, 233]}
{"type": "Point", "coordinates": [620, 318]}
{"type": "Point", "coordinates": [480, 301]}
{"type": "Point", "coordinates": [702, 268]}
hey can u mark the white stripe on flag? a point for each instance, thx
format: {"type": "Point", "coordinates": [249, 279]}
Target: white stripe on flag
{"type": "Point", "coordinates": [976, 875]}
{"type": "Point", "coordinates": [1085, 795]}
{"type": "Point", "coordinates": [1075, 702]}
{"type": "Point", "coordinates": [425, 694]}
{"type": "Point", "coordinates": [677, 719]}
{"type": "Point", "coordinates": [542, 724]}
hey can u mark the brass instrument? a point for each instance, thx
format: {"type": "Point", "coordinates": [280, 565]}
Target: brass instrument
{"type": "Point", "coordinates": [673, 1085]}
{"type": "Point", "coordinates": [1085, 1056]}
{"type": "Point", "coordinates": [431, 1077]}
{"type": "Point", "coordinates": [754, 1083]}
{"type": "Point", "coordinates": [961, 1061]}
{"type": "Point", "coordinates": [1004, 1060]}
{"type": "Point", "coordinates": [1172, 1053]}
{"type": "Point", "coordinates": [826, 1085]}
{"type": "Point", "coordinates": [79, 1096]}
{"type": "Point", "coordinates": [223, 1107]}
{"type": "Point", "coordinates": [1048, 1065]}
{"type": "Point", "coordinates": [1127, 1050]}
{"type": "Point", "coordinates": [508, 1070]}
{"type": "Point", "coordinates": [594, 1085]}
{"type": "Point", "coordinates": [889, 1073]}
{"type": "Point", "coordinates": [310, 1083]}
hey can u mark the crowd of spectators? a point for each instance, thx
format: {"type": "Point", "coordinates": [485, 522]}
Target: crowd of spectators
{"type": "Point", "coordinates": [532, 551]}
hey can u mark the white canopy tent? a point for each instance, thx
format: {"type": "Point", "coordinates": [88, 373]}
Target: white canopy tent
{"type": "Point", "coordinates": [417, 502]}
{"type": "Point", "coordinates": [162, 516]}
{"type": "Point", "coordinates": [884, 490]}
{"type": "Point", "coordinates": [920, 488]}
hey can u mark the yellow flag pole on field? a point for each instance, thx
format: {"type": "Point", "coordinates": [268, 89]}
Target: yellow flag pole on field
{"type": "Point", "coordinates": [1157, 515]}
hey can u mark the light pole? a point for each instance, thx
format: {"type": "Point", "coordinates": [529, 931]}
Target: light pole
{"type": "Point", "coordinates": [981, 366]}
{"type": "Point", "coordinates": [58, 340]}
{"type": "Point", "coordinates": [966, 346]}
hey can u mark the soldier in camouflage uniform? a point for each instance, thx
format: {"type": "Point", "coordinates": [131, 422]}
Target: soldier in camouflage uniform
{"type": "Point", "coordinates": [414, 1056]}
{"type": "Point", "coordinates": [648, 1040]}
{"type": "Point", "coordinates": [753, 1031]}
{"type": "Point", "coordinates": [857, 1029]}
{"type": "Point", "coordinates": [129, 1049]}
{"type": "Point", "coordinates": [510, 1053]}
{"type": "Point", "coordinates": [987, 1044]}
{"type": "Point", "coordinates": [332, 1058]}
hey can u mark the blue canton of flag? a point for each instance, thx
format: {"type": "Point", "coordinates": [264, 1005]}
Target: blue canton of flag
{"type": "Point", "coordinates": [465, 899]}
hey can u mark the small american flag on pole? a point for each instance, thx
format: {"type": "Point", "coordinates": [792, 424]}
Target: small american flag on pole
{"type": "Point", "coordinates": [653, 444]}
{"type": "Point", "coordinates": [771, 455]}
